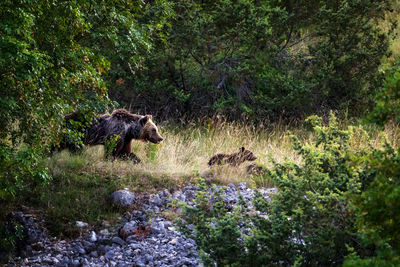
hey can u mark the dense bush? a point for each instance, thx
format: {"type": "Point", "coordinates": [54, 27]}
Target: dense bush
{"type": "Point", "coordinates": [262, 59]}
{"type": "Point", "coordinates": [377, 207]}
{"type": "Point", "coordinates": [309, 220]}
{"type": "Point", "coordinates": [377, 210]}
{"type": "Point", "coordinates": [387, 99]}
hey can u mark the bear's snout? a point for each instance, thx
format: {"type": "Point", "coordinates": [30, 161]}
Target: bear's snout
{"type": "Point", "coordinates": [155, 140]}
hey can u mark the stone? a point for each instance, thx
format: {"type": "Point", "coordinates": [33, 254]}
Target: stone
{"type": "Point", "coordinates": [109, 255]}
{"type": "Point", "coordinates": [102, 249]}
{"type": "Point", "coordinates": [131, 239]}
{"type": "Point", "coordinates": [92, 236]}
{"type": "Point", "coordinates": [104, 232]}
{"type": "Point", "coordinates": [75, 263]}
{"type": "Point", "coordinates": [242, 186]}
{"type": "Point", "coordinates": [118, 241]}
{"type": "Point", "coordinates": [138, 216]}
{"type": "Point", "coordinates": [88, 246]}
{"type": "Point", "coordinates": [155, 200]}
{"type": "Point", "coordinates": [122, 198]}
{"type": "Point", "coordinates": [134, 246]}
{"type": "Point", "coordinates": [81, 224]}
{"type": "Point", "coordinates": [148, 258]}
{"type": "Point", "coordinates": [129, 228]}
{"type": "Point", "coordinates": [157, 228]}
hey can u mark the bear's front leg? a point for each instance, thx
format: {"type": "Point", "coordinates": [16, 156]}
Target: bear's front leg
{"type": "Point", "coordinates": [131, 156]}
{"type": "Point", "coordinates": [125, 153]}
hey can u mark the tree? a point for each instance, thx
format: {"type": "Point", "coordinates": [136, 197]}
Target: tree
{"type": "Point", "coordinates": [262, 59]}
{"type": "Point", "coordinates": [54, 56]}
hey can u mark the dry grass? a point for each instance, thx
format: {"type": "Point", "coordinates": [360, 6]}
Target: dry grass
{"type": "Point", "coordinates": [184, 154]}
{"type": "Point", "coordinates": [82, 183]}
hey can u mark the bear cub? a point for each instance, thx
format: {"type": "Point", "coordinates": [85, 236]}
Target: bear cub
{"type": "Point", "coordinates": [234, 159]}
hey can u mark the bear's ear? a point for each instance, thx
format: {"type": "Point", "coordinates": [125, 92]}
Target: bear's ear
{"type": "Point", "coordinates": [144, 120]}
{"type": "Point", "coordinates": [242, 149]}
{"type": "Point", "coordinates": [150, 117]}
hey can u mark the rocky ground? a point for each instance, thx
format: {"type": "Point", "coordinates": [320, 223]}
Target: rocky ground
{"type": "Point", "coordinates": [143, 237]}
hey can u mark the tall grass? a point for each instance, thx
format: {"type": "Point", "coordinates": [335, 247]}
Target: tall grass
{"type": "Point", "coordinates": [82, 183]}
{"type": "Point", "coordinates": [184, 154]}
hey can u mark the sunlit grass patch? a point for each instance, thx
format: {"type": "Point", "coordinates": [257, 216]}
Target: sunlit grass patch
{"type": "Point", "coordinates": [186, 150]}
{"type": "Point", "coordinates": [83, 182]}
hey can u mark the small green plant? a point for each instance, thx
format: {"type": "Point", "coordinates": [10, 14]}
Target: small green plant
{"type": "Point", "coordinates": [10, 234]}
{"type": "Point", "coordinates": [216, 228]}
{"type": "Point", "coordinates": [152, 150]}
{"type": "Point", "coordinates": [110, 144]}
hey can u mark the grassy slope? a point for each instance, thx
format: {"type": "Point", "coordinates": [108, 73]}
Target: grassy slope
{"type": "Point", "coordinates": [83, 182]}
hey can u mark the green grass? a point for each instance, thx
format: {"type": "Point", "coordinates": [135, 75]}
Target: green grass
{"type": "Point", "coordinates": [82, 183]}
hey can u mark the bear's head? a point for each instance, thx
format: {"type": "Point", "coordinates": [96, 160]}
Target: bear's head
{"type": "Point", "coordinates": [149, 131]}
{"type": "Point", "coordinates": [246, 154]}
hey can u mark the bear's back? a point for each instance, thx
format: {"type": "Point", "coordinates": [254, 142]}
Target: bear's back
{"type": "Point", "coordinates": [125, 116]}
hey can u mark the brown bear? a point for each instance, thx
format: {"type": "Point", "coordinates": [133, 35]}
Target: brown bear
{"type": "Point", "coordinates": [122, 126]}
{"type": "Point", "coordinates": [234, 159]}
{"type": "Point", "coordinates": [255, 169]}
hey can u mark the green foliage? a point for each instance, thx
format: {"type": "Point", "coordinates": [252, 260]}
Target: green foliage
{"type": "Point", "coordinates": [216, 229]}
{"type": "Point", "coordinates": [110, 144]}
{"type": "Point", "coordinates": [261, 59]}
{"type": "Point", "coordinates": [54, 59]}
{"type": "Point", "coordinates": [10, 234]}
{"type": "Point", "coordinates": [151, 151]}
{"type": "Point", "coordinates": [387, 101]}
{"type": "Point", "coordinates": [377, 209]}
{"type": "Point", "coordinates": [378, 204]}
{"type": "Point", "coordinates": [308, 221]}
{"type": "Point", "coordinates": [22, 169]}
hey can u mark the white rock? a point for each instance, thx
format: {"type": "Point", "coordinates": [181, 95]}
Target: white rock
{"type": "Point", "coordinates": [80, 224]}
{"type": "Point", "coordinates": [104, 232]}
{"type": "Point", "coordinates": [92, 236]}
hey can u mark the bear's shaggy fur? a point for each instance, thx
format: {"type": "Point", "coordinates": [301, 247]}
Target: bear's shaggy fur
{"type": "Point", "coordinates": [255, 169]}
{"type": "Point", "coordinates": [234, 159]}
{"type": "Point", "coordinates": [126, 126]}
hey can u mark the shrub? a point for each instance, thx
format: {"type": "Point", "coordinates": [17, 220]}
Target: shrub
{"type": "Point", "coordinates": [387, 100]}
{"type": "Point", "coordinates": [216, 229]}
{"type": "Point", "coordinates": [377, 207]}
{"type": "Point", "coordinates": [309, 220]}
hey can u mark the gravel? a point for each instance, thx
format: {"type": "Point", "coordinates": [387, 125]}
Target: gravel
{"type": "Point", "coordinates": [142, 237]}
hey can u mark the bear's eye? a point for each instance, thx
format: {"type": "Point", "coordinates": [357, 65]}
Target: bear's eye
{"type": "Point", "coordinates": [154, 130]}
